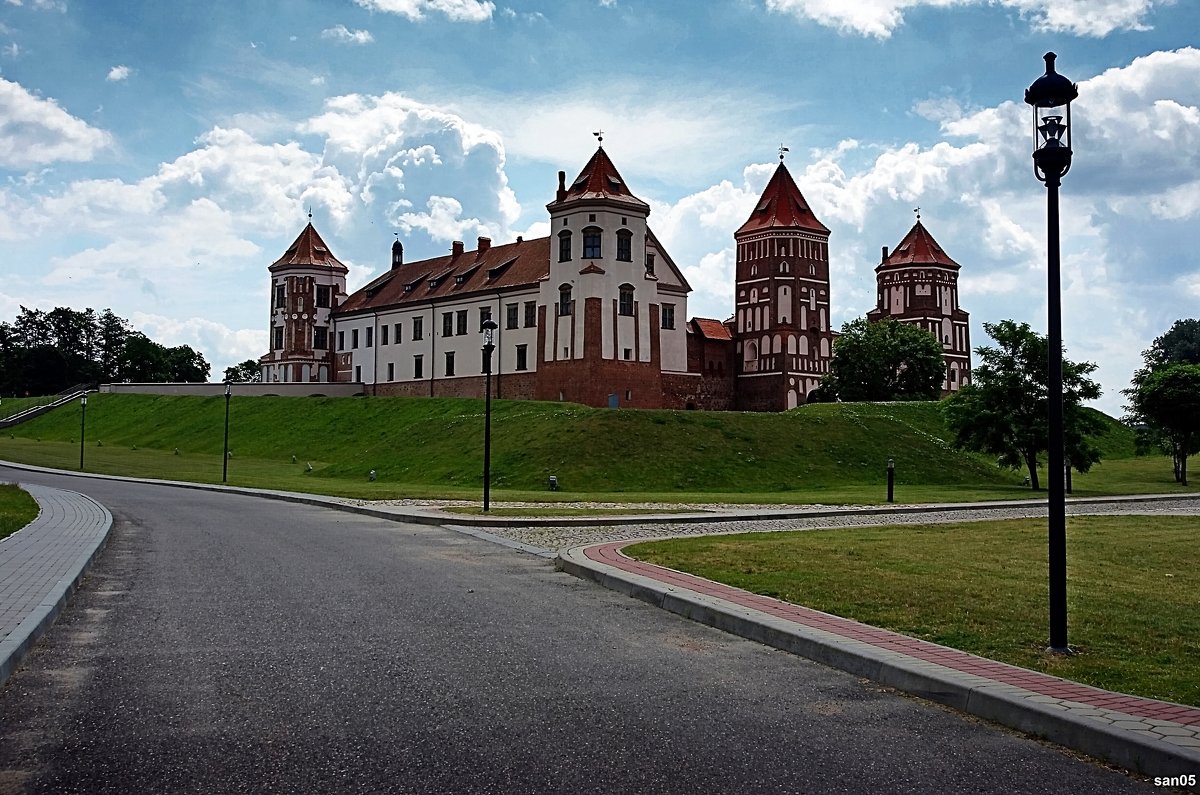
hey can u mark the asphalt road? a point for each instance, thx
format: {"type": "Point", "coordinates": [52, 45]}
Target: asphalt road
{"type": "Point", "coordinates": [225, 643]}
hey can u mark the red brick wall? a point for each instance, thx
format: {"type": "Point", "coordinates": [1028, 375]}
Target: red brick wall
{"type": "Point", "coordinates": [762, 393]}
{"type": "Point", "coordinates": [509, 386]}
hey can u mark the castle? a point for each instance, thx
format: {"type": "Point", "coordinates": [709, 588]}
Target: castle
{"type": "Point", "coordinates": [594, 313]}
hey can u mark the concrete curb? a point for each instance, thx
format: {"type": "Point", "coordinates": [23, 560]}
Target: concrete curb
{"type": "Point", "coordinates": [985, 698]}
{"type": "Point", "coordinates": [17, 644]}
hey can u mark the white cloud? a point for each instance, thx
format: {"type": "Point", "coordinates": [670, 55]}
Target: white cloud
{"type": "Point", "coordinates": [343, 35]}
{"type": "Point", "coordinates": [11, 50]}
{"type": "Point", "coordinates": [454, 10]}
{"type": "Point", "coordinates": [879, 18]}
{"type": "Point", "coordinates": [118, 73]}
{"type": "Point", "coordinates": [222, 346]}
{"type": "Point", "coordinates": [36, 131]}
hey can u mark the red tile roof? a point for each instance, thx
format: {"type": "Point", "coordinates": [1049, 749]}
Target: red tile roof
{"type": "Point", "coordinates": [600, 179]}
{"type": "Point", "coordinates": [712, 329]}
{"type": "Point", "coordinates": [520, 264]}
{"type": "Point", "coordinates": [918, 248]}
{"type": "Point", "coordinates": [309, 249]}
{"type": "Point", "coordinates": [782, 205]}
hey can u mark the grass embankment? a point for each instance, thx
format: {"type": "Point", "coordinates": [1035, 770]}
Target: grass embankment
{"type": "Point", "coordinates": [17, 509]}
{"type": "Point", "coordinates": [981, 587]}
{"type": "Point", "coordinates": [11, 406]}
{"type": "Point", "coordinates": [421, 447]}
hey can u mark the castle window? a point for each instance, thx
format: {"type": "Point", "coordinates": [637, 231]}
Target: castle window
{"type": "Point", "coordinates": [357, 374]}
{"type": "Point", "coordinates": [564, 246]}
{"type": "Point", "coordinates": [591, 243]}
{"type": "Point", "coordinates": [449, 363]}
{"type": "Point", "coordinates": [650, 262]}
{"type": "Point", "coordinates": [418, 329]}
{"type": "Point", "coordinates": [341, 340]}
{"type": "Point", "coordinates": [625, 302]}
{"type": "Point", "coordinates": [510, 316]}
{"type": "Point", "coordinates": [280, 296]}
{"type": "Point", "coordinates": [278, 341]}
{"type": "Point", "coordinates": [625, 245]}
{"type": "Point", "coordinates": [530, 314]}
{"type": "Point", "coordinates": [383, 336]}
{"type": "Point", "coordinates": [627, 354]}
{"type": "Point", "coordinates": [522, 357]}
{"type": "Point", "coordinates": [447, 324]}
{"type": "Point", "coordinates": [592, 217]}
{"type": "Point", "coordinates": [391, 371]}
{"type": "Point", "coordinates": [418, 366]}
{"type": "Point", "coordinates": [667, 314]}
{"type": "Point", "coordinates": [485, 314]}
{"type": "Point", "coordinates": [566, 306]}
{"type": "Point", "coordinates": [396, 333]}
{"type": "Point", "coordinates": [323, 293]}
{"type": "Point", "coordinates": [460, 322]}
{"type": "Point", "coordinates": [320, 338]}
{"type": "Point", "coordinates": [354, 338]}
{"type": "Point", "coordinates": [370, 341]}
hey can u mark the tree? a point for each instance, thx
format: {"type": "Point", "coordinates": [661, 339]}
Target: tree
{"type": "Point", "coordinates": [1180, 345]}
{"type": "Point", "coordinates": [185, 365]}
{"type": "Point", "coordinates": [887, 360]}
{"type": "Point", "coordinates": [248, 372]}
{"type": "Point", "coordinates": [1168, 400]}
{"type": "Point", "coordinates": [1004, 411]}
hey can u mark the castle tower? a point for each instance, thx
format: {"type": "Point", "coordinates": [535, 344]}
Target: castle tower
{"type": "Point", "coordinates": [600, 341]}
{"type": "Point", "coordinates": [783, 341]}
{"type": "Point", "coordinates": [307, 284]}
{"type": "Point", "coordinates": [918, 283]}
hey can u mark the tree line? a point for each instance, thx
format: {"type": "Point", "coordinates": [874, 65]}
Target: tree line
{"type": "Point", "coordinates": [43, 353]}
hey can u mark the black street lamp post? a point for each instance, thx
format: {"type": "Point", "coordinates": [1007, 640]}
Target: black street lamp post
{"type": "Point", "coordinates": [225, 449]}
{"type": "Point", "coordinates": [82, 426]}
{"type": "Point", "coordinates": [489, 327]}
{"type": "Point", "coordinates": [1050, 97]}
{"type": "Point", "coordinates": [891, 480]}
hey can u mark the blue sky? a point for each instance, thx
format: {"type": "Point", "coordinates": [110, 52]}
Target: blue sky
{"type": "Point", "coordinates": [156, 157]}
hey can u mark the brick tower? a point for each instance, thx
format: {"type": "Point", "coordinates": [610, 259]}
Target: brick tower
{"type": "Point", "coordinates": [307, 283]}
{"type": "Point", "coordinates": [918, 283]}
{"type": "Point", "coordinates": [782, 338]}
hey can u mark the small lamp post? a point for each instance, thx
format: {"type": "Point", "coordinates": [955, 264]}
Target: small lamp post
{"type": "Point", "coordinates": [489, 328]}
{"type": "Point", "coordinates": [891, 479]}
{"type": "Point", "coordinates": [225, 448]}
{"type": "Point", "coordinates": [1050, 96]}
{"type": "Point", "coordinates": [82, 426]}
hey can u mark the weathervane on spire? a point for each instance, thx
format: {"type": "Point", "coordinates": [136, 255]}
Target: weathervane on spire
{"type": "Point", "coordinates": [310, 212]}
{"type": "Point", "coordinates": [782, 149]}
{"type": "Point", "coordinates": [599, 136]}
{"type": "Point", "coordinates": [918, 212]}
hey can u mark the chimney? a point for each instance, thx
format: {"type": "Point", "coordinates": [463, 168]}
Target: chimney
{"type": "Point", "coordinates": [562, 185]}
{"type": "Point", "coordinates": [397, 254]}
{"type": "Point", "coordinates": [456, 248]}
{"type": "Point", "coordinates": [520, 239]}
{"type": "Point", "coordinates": [484, 243]}
{"type": "Point", "coordinates": [885, 254]}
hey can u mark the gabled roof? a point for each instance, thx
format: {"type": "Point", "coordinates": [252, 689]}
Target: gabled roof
{"type": "Point", "coordinates": [598, 180]}
{"type": "Point", "coordinates": [309, 249]}
{"type": "Point", "coordinates": [512, 265]}
{"type": "Point", "coordinates": [918, 248]}
{"type": "Point", "coordinates": [712, 329]}
{"type": "Point", "coordinates": [782, 205]}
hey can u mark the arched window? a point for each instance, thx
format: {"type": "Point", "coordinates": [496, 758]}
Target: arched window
{"type": "Point", "coordinates": [566, 305]}
{"type": "Point", "coordinates": [624, 245]}
{"type": "Point", "coordinates": [564, 246]}
{"type": "Point", "coordinates": [625, 303]}
{"type": "Point", "coordinates": [591, 243]}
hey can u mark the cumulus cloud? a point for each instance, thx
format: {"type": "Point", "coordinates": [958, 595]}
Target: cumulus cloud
{"type": "Point", "coordinates": [879, 18]}
{"type": "Point", "coordinates": [454, 10]}
{"type": "Point", "coordinates": [343, 35]}
{"type": "Point", "coordinates": [36, 131]}
{"type": "Point", "coordinates": [118, 73]}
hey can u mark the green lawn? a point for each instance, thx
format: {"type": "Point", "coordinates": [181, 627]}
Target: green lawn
{"type": "Point", "coordinates": [422, 447]}
{"type": "Point", "coordinates": [17, 509]}
{"type": "Point", "coordinates": [1133, 588]}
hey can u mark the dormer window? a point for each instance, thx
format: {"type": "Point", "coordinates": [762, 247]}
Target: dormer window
{"type": "Point", "coordinates": [625, 245]}
{"type": "Point", "coordinates": [564, 246]}
{"type": "Point", "coordinates": [591, 243]}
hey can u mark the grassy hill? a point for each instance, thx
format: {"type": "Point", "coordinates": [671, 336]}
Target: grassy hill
{"type": "Point", "coordinates": [422, 447]}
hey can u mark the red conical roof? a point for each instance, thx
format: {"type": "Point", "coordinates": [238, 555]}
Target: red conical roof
{"type": "Point", "coordinates": [782, 205]}
{"type": "Point", "coordinates": [918, 248]}
{"type": "Point", "coordinates": [309, 249]}
{"type": "Point", "coordinates": [600, 179]}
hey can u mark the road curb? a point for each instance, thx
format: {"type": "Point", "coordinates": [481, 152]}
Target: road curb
{"type": "Point", "coordinates": [1004, 704]}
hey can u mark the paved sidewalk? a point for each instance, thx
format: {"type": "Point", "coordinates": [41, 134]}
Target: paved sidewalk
{"type": "Point", "coordinates": [41, 564]}
{"type": "Point", "coordinates": [1155, 738]}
